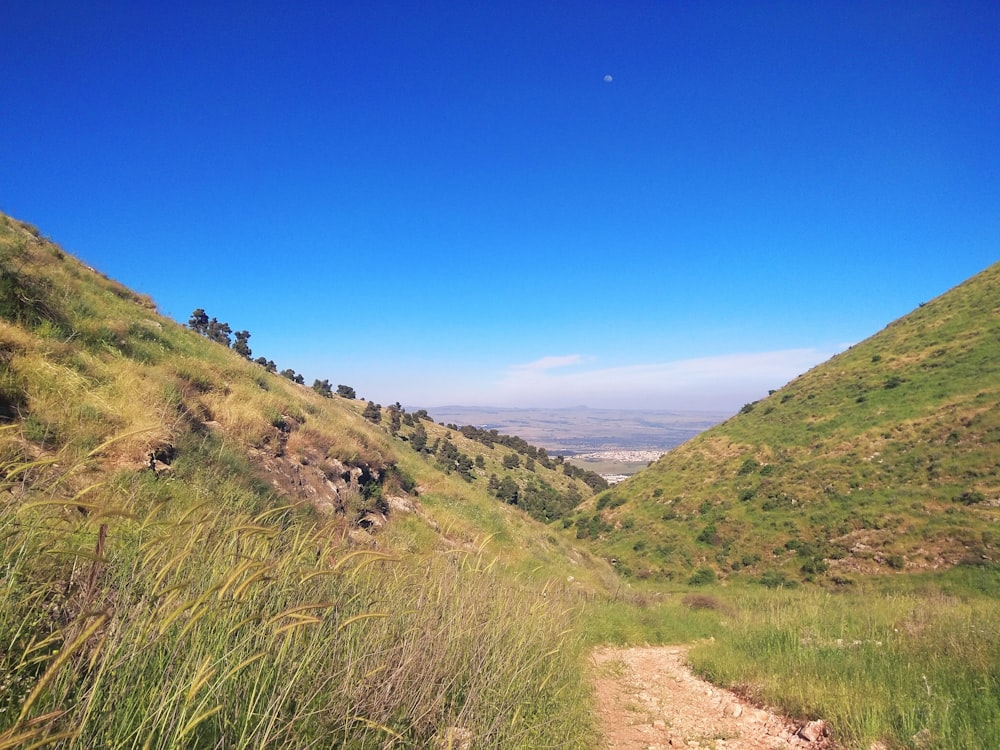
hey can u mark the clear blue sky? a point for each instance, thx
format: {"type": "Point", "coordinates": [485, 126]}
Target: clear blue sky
{"type": "Point", "coordinates": [635, 204]}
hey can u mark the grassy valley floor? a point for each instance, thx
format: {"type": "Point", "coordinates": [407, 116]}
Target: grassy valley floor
{"type": "Point", "coordinates": [896, 662]}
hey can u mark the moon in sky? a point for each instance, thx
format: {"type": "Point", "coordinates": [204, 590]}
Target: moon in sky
{"type": "Point", "coordinates": [608, 79]}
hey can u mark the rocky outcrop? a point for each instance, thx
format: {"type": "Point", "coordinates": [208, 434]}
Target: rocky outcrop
{"type": "Point", "coordinates": [353, 490]}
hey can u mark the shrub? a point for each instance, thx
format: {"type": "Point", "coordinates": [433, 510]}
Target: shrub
{"type": "Point", "coordinates": [970, 497]}
{"type": "Point", "coordinates": [323, 388]}
{"type": "Point", "coordinates": [709, 535]}
{"type": "Point", "coordinates": [774, 579]}
{"type": "Point", "coordinates": [418, 440]}
{"type": "Point", "coordinates": [702, 577]}
{"type": "Point", "coordinates": [814, 566]}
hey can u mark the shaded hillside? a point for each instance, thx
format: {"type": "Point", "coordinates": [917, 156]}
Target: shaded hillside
{"type": "Point", "coordinates": [886, 457]}
{"type": "Point", "coordinates": [197, 551]}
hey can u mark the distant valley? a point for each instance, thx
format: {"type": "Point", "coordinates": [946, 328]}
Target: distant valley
{"type": "Point", "coordinates": [570, 431]}
{"type": "Point", "coordinates": [611, 442]}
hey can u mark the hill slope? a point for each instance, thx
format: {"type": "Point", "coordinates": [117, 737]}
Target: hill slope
{"type": "Point", "coordinates": [197, 551]}
{"type": "Point", "coordinates": [886, 457]}
{"type": "Point", "coordinates": [84, 361]}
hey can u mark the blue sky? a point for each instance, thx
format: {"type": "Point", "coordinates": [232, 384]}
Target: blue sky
{"type": "Point", "coordinates": [628, 204]}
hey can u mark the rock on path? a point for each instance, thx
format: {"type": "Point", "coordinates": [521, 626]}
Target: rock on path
{"type": "Point", "coordinates": [649, 700]}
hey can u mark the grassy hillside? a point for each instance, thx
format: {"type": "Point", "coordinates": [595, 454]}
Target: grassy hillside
{"type": "Point", "coordinates": [87, 363]}
{"type": "Point", "coordinates": [885, 458]}
{"type": "Point", "coordinates": [197, 551]}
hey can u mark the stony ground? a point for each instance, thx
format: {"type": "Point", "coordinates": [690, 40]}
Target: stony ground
{"type": "Point", "coordinates": [649, 700]}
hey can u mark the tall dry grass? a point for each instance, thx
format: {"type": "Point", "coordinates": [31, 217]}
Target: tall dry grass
{"type": "Point", "coordinates": [150, 613]}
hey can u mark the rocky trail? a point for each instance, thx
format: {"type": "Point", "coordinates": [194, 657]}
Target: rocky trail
{"type": "Point", "coordinates": [648, 699]}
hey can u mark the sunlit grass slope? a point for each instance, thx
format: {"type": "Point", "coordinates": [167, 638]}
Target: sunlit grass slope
{"type": "Point", "coordinates": [886, 457]}
{"type": "Point", "coordinates": [891, 662]}
{"type": "Point", "coordinates": [196, 552]}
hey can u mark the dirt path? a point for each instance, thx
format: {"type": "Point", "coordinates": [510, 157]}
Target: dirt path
{"type": "Point", "coordinates": [649, 700]}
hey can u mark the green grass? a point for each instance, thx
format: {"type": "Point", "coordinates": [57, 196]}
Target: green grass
{"type": "Point", "coordinates": [911, 662]}
{"type": "Point", "coordinates": [654, 619]}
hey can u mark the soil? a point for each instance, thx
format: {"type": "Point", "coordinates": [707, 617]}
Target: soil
{"type": "Point", "coordinates": [648, 699]}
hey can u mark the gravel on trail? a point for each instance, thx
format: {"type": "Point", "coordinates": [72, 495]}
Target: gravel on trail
{"type": "Point", "coordinates": [648, 699]}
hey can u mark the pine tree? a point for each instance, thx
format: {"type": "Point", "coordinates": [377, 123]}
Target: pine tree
{"type": "Point", "coordinates": [241, 346]}
{"type": "Point", "coordinates": [199, 322]}
{"type": "Point", "coordinates": [373, 412]}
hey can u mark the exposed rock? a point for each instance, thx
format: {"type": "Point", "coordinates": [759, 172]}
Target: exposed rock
{"type": "Point", "coordinates": [812, 731]}
{"type": "Point", "coordinates": [733, 710]}
{"type": "Point", "coordinates": [401, 504]}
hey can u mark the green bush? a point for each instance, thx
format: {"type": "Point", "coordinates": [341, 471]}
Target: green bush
{"type": "Point", "coordinates": [709, 535]}
{"type": "Point", "coordinates": [702, 577]}
{"type": "Point", "coordinates": [970, 497]}
{"type": "Point", "coordinates": [774, 579]}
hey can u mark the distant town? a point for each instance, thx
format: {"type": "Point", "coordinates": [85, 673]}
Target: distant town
{"type": "Point", "coordinates": [614, 443]}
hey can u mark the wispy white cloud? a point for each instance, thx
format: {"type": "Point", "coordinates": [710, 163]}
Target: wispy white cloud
{"type": "Point", "coordinates": [548, 363]}
{"type": "Point", "coordinates": [723, 382]}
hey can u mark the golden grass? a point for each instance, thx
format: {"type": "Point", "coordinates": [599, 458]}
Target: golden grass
{"type": "Point", "coordinates": [195, 624]}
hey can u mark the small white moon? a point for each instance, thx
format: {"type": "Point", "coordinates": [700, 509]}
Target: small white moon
{"type": "Point", "coordinates": [608, 79]}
